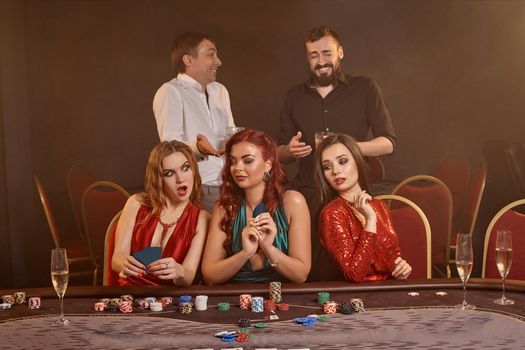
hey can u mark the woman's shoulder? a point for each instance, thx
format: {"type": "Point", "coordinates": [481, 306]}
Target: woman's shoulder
{"type": "Point", "coordinates": [293, 197]}
{"type": "Point", "coordinates": [335, 205]}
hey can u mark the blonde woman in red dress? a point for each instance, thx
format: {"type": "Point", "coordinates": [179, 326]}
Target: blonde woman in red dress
{"type": "Point", "coordinates": [167, 215]}
{"type": "Point", "coordinates": [355, 229]}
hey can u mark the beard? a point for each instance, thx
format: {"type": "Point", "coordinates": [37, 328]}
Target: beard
{"type": "Point", "coordinates": [326, 79]}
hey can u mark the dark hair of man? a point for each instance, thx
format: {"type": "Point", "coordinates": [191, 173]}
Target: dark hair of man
{"type": "Point", "coordinates": [320, 32]}
{"type": "Point", "coordinates": [185, 44]}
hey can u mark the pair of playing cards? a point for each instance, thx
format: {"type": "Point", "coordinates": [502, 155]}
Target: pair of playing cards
{"type": "Point", "coordinates": [148, 255]}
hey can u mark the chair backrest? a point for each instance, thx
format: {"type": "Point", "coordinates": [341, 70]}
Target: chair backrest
{"type": "Point", "coordinates": [47, 211]}
{"type": "Point", "coordinates": [435, 199]}
{"type": "Point", "coordinates": [413, 231]}
{"type": "Point", "coordinates": [110, 277]}
{"type": "Point", "coordinates": [101, 201]}
{"type": "Point", "coordinates": [79, 177]}
{"type": "Point", "coordinates": [455, 173]}
{"type": "Point", "coordinates": [376, 169]}
{"type": "Point", "coordinates": [507, 219]}
{"type": "Point", "coordinates": [474, 195]}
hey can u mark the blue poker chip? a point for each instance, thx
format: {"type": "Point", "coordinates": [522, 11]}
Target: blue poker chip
{"type": "Point", "coordinates": [185, 299]}
{"type": "Point", "coordinates": [228, 339]}
{"type": "Point", "coordinates": [300, 320]}
{"type": "Point", "coordinates": [309, 324]}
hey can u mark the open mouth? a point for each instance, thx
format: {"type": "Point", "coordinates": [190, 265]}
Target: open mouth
{"type": "Point", "coordinates": [339, 181]}
{"type": "Point", "coordinates": [182, 190]}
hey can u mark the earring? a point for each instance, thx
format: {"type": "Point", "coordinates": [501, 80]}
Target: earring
{"type": "Point", "coordinates": [266, 176]}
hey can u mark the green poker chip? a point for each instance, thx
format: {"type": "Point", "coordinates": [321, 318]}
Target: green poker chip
{"type": "Point", "coordinates": [323, 318]}
{"type": "Point", "coordinates": [261, 325]}
{"type": "Point", "coordinates": [223, 306]}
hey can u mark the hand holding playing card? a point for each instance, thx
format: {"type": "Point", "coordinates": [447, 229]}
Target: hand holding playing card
{"type": "Point", "coordinates": [167, 269]}
{"type": "Point", "coordinates": [132, 267]}
{"type": "Point", "coordinates": [147, 255]}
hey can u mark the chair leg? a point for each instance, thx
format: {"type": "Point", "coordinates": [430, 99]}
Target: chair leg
{"type": "Point", "coordinates": [95, 275]}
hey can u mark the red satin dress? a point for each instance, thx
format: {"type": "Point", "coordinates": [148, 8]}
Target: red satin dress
{"type": "Point", "coordinates": [177, 246]}
{"type": "Point", "coordinates": [361, 255]}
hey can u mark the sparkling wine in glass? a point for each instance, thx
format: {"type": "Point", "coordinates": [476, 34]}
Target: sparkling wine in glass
{"type": "Point", "coordinates": [60, 277]}
{"type": "Point", "coordinates": [504, 261]}
{"type": "Point", "coordinates": [464, 262]}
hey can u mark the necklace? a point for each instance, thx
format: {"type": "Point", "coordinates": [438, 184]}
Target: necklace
{"type": "Point", "coordinates": [166, 227]}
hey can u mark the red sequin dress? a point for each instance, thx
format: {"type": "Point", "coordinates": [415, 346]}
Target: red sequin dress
{"type": "Point", "coordinates": [361, 255]}
{"type": "Point", "coordinates": [177, 246]}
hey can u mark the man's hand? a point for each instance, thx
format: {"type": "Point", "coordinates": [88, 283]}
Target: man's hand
{"type": "Point", "coordinates": [205, 147]}
{"type": "Point", "coordinates": [297, 148]}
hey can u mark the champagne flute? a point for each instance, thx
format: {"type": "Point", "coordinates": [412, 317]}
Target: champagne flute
{"type": "Point", "coordinates": [464, 262]}
{"type": "Point", "coordinates": [504, 261]}
{"type": "Point", "coordinates": [60, 277]}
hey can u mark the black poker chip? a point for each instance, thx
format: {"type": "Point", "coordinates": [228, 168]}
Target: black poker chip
{"type": "Point", "coordinates": [346, 309]}
{"type": "Point", "coordinates": [245, 322]}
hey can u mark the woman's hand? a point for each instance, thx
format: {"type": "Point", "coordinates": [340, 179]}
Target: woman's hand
{"type": "Point", "coordinates": [362, 204]}
{"type": "Point", "coordinates": [266, 228]}
{"type": "Point", "coordinates": [132, 267]}
{"type": "Point", "coordinates": [402, 269]}
{"type": "Point", "coordinates": [250, 239]}
{"type": "Point", "coordinates": [167, 269]}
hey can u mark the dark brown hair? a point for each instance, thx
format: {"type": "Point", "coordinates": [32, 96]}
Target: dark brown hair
{"type": "Point", "coordinates": [320, 32]}
{"type": "Point", "coordinates": [326, 192]}
{"type": "Point", "coordinates": [185, 44]}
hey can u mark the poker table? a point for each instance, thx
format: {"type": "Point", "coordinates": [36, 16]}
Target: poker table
{"type": "Point", "coordinates": [399, 314]}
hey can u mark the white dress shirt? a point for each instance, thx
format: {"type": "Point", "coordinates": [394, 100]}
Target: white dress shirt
{"type": "Point", "coordinates": [181, 112]}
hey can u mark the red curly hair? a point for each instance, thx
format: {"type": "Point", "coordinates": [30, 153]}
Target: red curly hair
{"type": "Point", "coordinates": [232, 195]}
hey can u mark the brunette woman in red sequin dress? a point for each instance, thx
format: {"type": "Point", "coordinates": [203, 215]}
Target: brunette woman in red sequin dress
{"type": "Point", "coordinates": [166, 215]}
{"type": "Point", "coordinates": [355, 229]}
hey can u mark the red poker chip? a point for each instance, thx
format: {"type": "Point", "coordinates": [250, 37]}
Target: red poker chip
{"type": "Point", "coordinates": [283, 307]}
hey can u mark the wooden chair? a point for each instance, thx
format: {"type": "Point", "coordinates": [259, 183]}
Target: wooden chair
{"type": "Point", "coordinates": [507, 218]}
{"type": "Point", "coordinates": [435, 199]}
{"type": "Point", "coordinates": [79, 177]}
{"type": "Point", "coordinates": [376, 169]}
{"type": "Point", "coordinates": [454, 171]}
{"type": "Point", "coordinates": [101, 201]}
{"type": "Point", "coordinates": [79, 259]}
{"type": "Point", "coordinates": [413, 231]}
{"type": "Point", "coordinates": [110, 277]}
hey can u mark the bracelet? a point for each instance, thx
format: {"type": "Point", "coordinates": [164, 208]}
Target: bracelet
{"type": "Point", "coordinates": [278, 260]}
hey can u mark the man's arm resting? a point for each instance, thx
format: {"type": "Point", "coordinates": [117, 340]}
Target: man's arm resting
{"type": "Point", "coordinates": [375, 147]}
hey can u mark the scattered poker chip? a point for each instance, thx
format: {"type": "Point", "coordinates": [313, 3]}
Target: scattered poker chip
{"type": "Point", "coordinates": [323, 318]}
{"type": "Point", "coordinates": [228, 339]}
{"type": "Point", "coordinates": [223, 306]}
{"type": "Point", "coordinates": [273, 317]}
{"type": "Point", "coordinates": [441, 294]}
{"type": "Point", "coordinates": [283, 307]}
{"type": "Point", "coordinates": [413, 294]}
{"type": "Point", "coordinates": [222, 333]}
{"type": "Point", "coordinates": [185, 299]}
{"type": "Point", "coordinates": [5, 306]}
{"type": "Point", "coordinates": [261, 325]}
{"type": "Point", "coordinates": [245, 322]}
{"type": "Point", "coordinates": [300, 320]}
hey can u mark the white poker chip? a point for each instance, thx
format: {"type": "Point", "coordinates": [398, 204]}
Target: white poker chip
{"type": "Point", "coordinates": [441, 294]}
{"type": "Point", "coordinates": [4, 306]}
{"type": "Point", "coordinates": [413, 294]}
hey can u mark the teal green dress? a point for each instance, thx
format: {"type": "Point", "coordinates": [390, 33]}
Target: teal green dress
{"type": "Point", "coordinates": [267, 273]}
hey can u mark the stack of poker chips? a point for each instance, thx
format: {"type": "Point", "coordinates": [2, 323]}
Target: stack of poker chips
{"type": "Point", "coordinates": [155, 306]}
{"type": "Point", "coordinates": [346, 308]}
{"type": "Point", "coordinates": [125, 306]}
{"type": "Point", "coordinates": [34, 303]}
{"type": "Point", "coordinates": [5, 306]}
{"type": "Point", "coordinates": [357, 305]}
{"type": "Point", "coordinates": [127, 297]}
{"type": "Point", "coordinates": [99, 306]}
{"type": "Point", "coordinates": [257, 304]}
{"type": "Point", "coordinates": [223, 306]}
{"type": "Point", "coordinates": [269, 305]}
{"type": "Point", "coordinates": [143, 304]}
{"type": "Point", "coordinates": [242, 336]}
{"type": "Point", "coordinates": [166, 301]}
{"type": "Point", "coordinates": [150, 299]}
{"type": "Point", "coordinates": [245, 301]}
{"type": "Point", "coordinates": [201, 302]}
{"type": "Point", "coordinates": [185, 299]}
{"type": "Point", "coordinates": [8, 299]}
{"type": "Point", "coordinates": [330, 307]}
{"type": "Point", "coordinates": [20, 297]}
{"type": "Point", "coordinates": [185, 307]}
{"type": "Point", "coordinates": [275, 292]}
{"type": "Point", "coordinates": [322, 297]}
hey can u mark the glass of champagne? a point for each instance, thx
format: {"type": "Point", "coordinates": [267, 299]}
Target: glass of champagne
{"type": "Point", "coordinates": [60, 277]}
{"type": "Point", "coordinates": [464, 261]}
{"type": "Point", "coordinates": [504, 261]}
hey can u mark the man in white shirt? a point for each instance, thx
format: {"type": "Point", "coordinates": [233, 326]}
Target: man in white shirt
{"type": "Point", "coordinates": [195, 109]}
